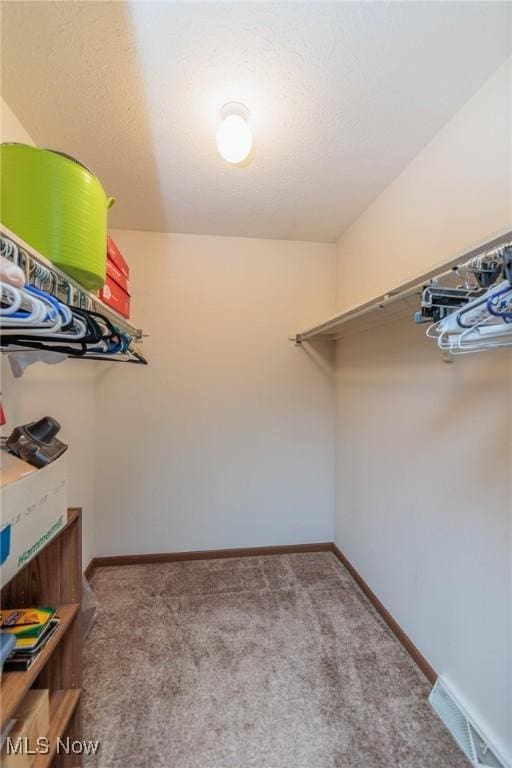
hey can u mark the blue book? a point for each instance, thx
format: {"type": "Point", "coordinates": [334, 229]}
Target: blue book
{"type": "Point", "coordinates": [7, 643]}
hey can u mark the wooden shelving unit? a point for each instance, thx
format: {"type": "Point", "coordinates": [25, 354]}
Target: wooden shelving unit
{"type": "Point", "coordinates": [54, 577]}
{"type": "Point", "coordinates": [63, 705]}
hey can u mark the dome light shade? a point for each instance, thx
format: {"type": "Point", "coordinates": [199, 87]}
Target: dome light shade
{"type": "Point", "coordinates": [234, 137]}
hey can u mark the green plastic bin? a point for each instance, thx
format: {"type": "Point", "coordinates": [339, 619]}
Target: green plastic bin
{"type": "Point", "coordinates": [57, 206]}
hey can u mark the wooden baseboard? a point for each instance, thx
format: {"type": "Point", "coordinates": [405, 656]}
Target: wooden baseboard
{"type": "Point", "coordinates": [90, 569]}
{"type": "Point", "coordinates": [208, 554]}
{"type": "Point", "coordinates": [394, 626]}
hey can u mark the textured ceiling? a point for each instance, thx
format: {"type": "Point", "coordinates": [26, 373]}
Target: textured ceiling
{"type": "Point", "coordinates": [342, 97]}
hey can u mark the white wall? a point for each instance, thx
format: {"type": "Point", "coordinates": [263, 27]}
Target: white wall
{"type": "Point", "coordinates": [455, 193]}
{"type": "Point", "coordinates": [227, 438]}
{"type": "Point", "coordinates": [65, 391]}
{"type": "Point", "coordinates": [424, 449]}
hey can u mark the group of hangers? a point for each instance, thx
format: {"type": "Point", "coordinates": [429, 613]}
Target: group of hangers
{"type": "Point", "coordinates": [32, 318]}
{"type": "Point", "coordinates": [476, 315]}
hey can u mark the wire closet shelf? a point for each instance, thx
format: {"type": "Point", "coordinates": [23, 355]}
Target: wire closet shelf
{"type": "Point", "coordinates": [58, 283]}
{"type": "Point", "coordinates": [399, 302]}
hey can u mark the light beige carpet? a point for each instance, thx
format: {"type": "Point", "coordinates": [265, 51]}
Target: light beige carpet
{"type": "Point", "coordinates": [266, 662]}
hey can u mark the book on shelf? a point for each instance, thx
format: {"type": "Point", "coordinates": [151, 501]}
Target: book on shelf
{"type": "Point", "coordinates": [22, 658]}
{"type": "Point", "coordinates": [24, 620]}
{"type": "Point", "coordinates": [26, 624]}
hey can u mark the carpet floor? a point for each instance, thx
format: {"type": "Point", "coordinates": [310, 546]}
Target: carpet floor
{"type": "Point", "coordinates": [261, 662]}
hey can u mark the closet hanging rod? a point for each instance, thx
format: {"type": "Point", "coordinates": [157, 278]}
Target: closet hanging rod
{"type": "Point", "coordinates": [334, 326]}
{"type": "Point", "coordinates": [76, 295]}
{"type": "Point", "coordinates": [333, 323]}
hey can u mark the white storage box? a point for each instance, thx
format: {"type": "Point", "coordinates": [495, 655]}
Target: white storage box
{"type": "Point", "coordinates": [33, 509]}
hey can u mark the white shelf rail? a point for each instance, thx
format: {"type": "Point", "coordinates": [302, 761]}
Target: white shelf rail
{"type": "Point", "coordinates": [398, 303]}
{"type": "Point", "coordinates": [66, 288]}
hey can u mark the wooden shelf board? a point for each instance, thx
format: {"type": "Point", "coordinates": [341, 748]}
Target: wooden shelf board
{"type": "Point", "coordinates": [14, 685]}
{"type": "Point", "coordinates": [62, 707]}
{"type": "Point", "coordinates": [73, 516]}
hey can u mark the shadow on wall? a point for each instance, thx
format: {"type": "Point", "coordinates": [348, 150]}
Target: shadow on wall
{"type": "Point", "coordinates": [322, 352]}
{"type": "Point", "coordinates": [404, 343]}
{"type": "Point", "coordinates": [84, 31]}
{"type": "Point", "coordinates": [408, 387]}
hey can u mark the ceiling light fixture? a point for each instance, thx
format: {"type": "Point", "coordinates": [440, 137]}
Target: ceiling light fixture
{"type": "Point", "coordinates": [234, 137]}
